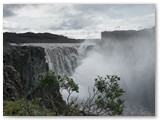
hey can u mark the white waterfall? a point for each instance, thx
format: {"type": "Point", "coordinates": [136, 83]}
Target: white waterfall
{"type": "Point", "coordinates": [62, 59]}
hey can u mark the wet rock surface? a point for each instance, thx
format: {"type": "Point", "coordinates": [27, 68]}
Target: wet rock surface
{"type": "Point", "coordinates": [22, 66]}
{"type": "Point", "coordinates": [12, 88]}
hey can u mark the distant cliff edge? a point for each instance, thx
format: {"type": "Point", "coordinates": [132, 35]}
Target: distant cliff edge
{"type": "Point", "coordinates": [30, 37]}
{"type": "Point", "coordinates": [125, 34]}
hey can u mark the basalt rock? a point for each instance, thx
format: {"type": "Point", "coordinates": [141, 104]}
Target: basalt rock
{"type": "Point", "coordinates": [22, 66]}
{"type": "Point", "coordinates": [12, 88]}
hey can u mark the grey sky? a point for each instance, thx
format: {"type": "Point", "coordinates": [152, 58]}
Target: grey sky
{"type": "Point", "coordinates": [77, 20]}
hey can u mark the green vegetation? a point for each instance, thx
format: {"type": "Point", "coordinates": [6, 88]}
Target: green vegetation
{"type": "Point", "coordinates": [70, 86]}
{"type": "Point", "coordinates": [104, 99]}
{"type": "Point", "coordinates": [51, 97]}
{"type": "Point", "coordinates": [24, 107]}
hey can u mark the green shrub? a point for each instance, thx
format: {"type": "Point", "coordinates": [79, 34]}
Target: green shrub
{"type": "Point", "coordinates": [106, 97]}
{"type": "Point", "coordinates": [24, 107]}
{"type": "Point", "coordinates": [51, 97]}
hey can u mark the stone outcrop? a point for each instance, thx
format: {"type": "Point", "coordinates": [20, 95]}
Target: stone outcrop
{"type": "Point", "coordinates": [12, 88]}
{"type": "Point", "coordinates": [22, 66]}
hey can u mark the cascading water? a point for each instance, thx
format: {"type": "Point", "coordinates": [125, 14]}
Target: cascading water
{"type": "Point", "coordinates": [62, 59]}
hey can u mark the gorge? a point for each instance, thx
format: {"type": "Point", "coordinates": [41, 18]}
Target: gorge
{"type": "Point", "coordinates": [128, 54]}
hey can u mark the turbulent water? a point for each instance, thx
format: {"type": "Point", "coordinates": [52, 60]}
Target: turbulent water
{"type": "Point", "coordinates": [62, 59]}
{"type": "Point", "coordinates": [133, 60]}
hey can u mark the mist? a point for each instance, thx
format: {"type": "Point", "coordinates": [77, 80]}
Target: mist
{"type": "Point", "coordinates": [132, 59]}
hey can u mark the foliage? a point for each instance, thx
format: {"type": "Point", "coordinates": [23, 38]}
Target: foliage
{"type": "Point", "coordinates": [106, 97]}
{"type": "Point", "coordinates": [51, 97]}
{"type": "Point", "coordinates": [49, 81]}
{"type": "Point", "coordinates": [70, 86]}
{"type": "Point", "coordinates": [10, 108]}
{"type": "Point", "coordinates": [24, 107]}
{"type": "Point", "coordinates": [51, 84]}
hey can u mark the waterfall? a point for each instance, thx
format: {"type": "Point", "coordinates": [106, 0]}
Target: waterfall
{"type": "Point", "coordinates": [132, 59]}
{"type": "Point", "coordinates": [62, 59]}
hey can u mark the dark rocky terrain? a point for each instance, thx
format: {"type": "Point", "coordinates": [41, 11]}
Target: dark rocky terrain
{"type": "Point", "coordinates": [37, 38]}
{"type": "Point", "coordinates": [21, 68]}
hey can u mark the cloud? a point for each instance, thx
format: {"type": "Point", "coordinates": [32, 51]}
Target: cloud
{"type": "Point", "coordinates": [78, 17]}
{"type": "Point", "coordinates": [73, 22]}
{"type": "Point", "coordinates": [9, 25]}
{"type": "Point", "coordinates": [12, 27]}
{"type": "Point", "coordinates": [114, 10]}
{"type": "Point", "coordinates": [9, 9]}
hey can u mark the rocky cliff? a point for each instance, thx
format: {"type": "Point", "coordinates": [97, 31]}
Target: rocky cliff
{"type": "Point", "coordinates": [21, 66]}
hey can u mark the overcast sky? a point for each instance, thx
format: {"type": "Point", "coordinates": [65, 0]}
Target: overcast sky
{"type": "Point", "coordinates": [76, 20]}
